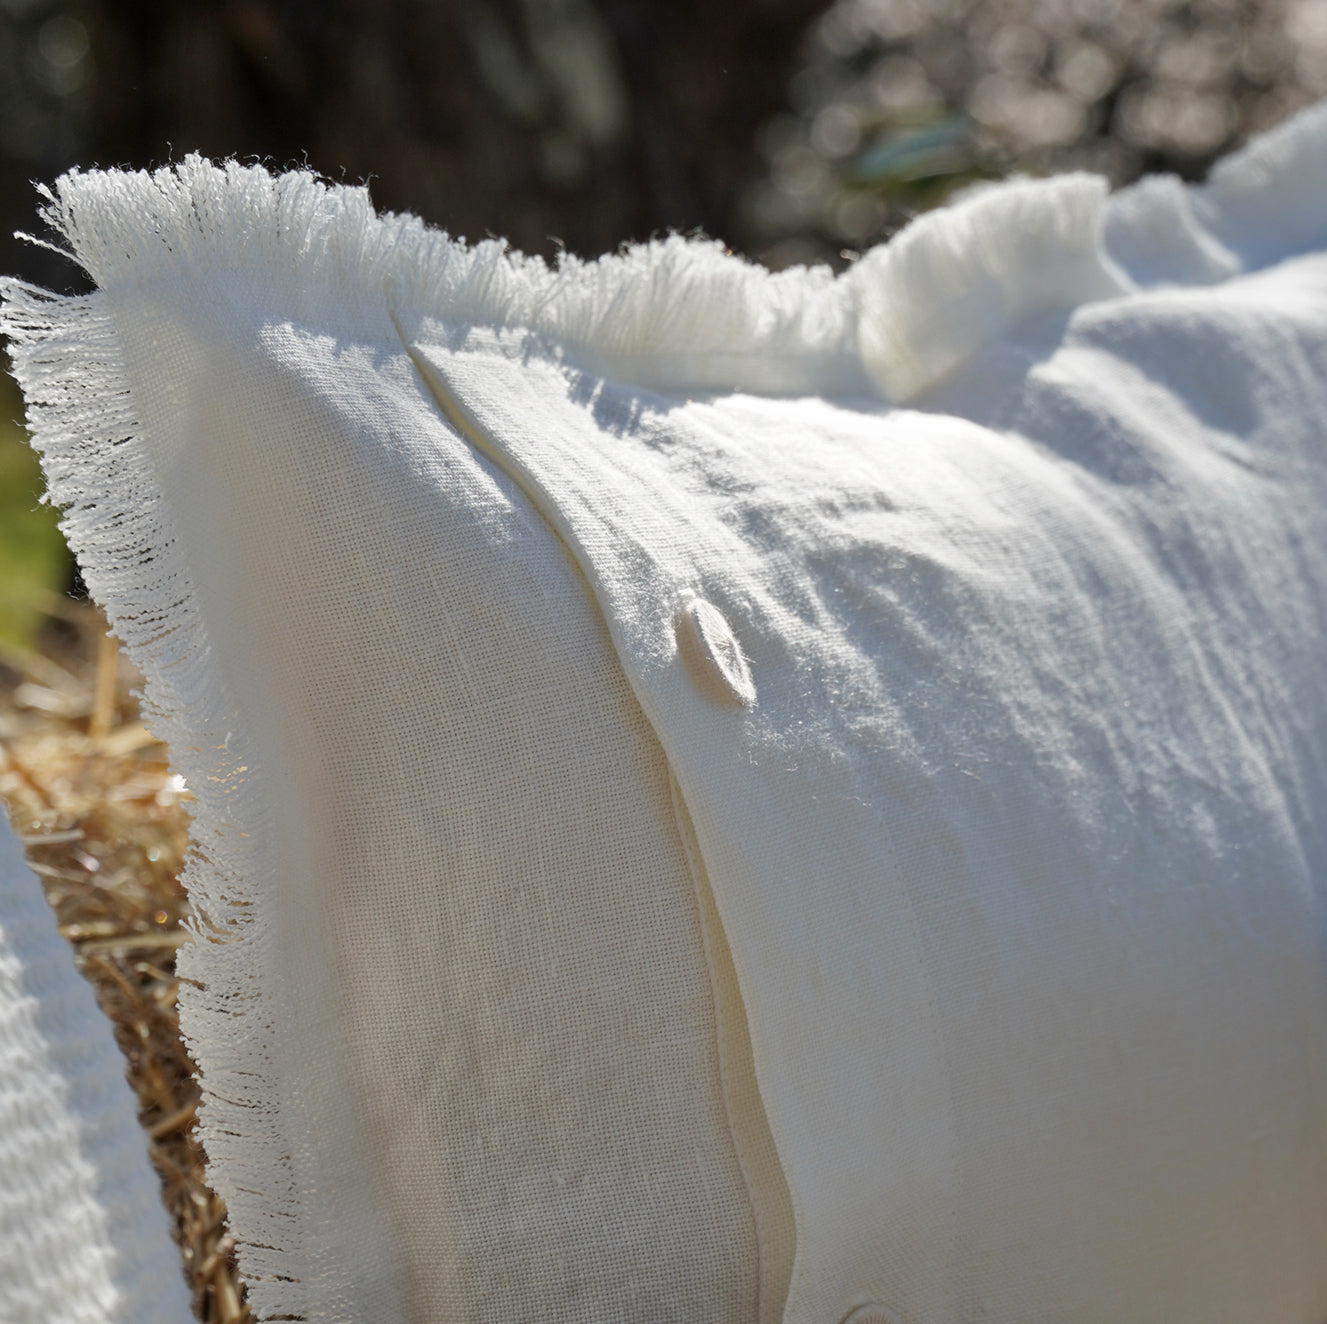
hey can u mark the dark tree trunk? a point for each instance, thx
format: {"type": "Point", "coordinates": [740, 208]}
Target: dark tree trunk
{"type": "Point", "coordinates": [576, 123]}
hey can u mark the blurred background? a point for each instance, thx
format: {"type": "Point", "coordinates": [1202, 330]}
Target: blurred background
{"type": "Point", "coordinates": [794, 130]}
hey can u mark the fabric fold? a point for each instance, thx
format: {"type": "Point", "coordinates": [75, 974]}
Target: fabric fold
{"type": "Point", "coordinates": [577, 448]}
{"type": "Point", "coordinates": [974, 824]}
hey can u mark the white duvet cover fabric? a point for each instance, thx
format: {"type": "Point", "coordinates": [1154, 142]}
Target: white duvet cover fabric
{"type": "Point", "coordinates": [726, 796]}
{"type": "Point", "coordinates": [83, 1236]}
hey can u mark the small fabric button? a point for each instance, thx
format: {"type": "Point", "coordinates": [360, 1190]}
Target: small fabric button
{"type": "Point", "coordinates": [871, 1314]}
{"type": "Point", "coordinates": [712, 656]}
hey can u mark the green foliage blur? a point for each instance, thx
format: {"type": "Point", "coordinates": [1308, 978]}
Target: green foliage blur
{"type": "Point", "coordinates": [34, 561]}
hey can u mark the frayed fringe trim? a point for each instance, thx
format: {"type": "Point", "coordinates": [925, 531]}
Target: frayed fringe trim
{"type": "Point", "coordinates": [958, 279]}
{"type": "Point", "coordinates": [1266, 202]}
{"type": "Point", "coordinates": [66, 357]}
{"type": "Point", "coordinates": [686, 315]}
{"type": "Point", "coordinates": [673, 315]}
{"type": "Point", "coordinates": [1261, 205]}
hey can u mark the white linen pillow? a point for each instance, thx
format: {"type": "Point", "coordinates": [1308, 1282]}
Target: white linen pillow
{"type": "Point", "coordinates": [83, 1234]}
{"type": "Point", "coordinates": [730, 796]}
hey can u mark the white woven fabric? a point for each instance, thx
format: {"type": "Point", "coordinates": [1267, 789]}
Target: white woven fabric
{"type": "Point", "coordinates": [726, 796]}
{"type": "Point", "coordinates": [83, 1235]}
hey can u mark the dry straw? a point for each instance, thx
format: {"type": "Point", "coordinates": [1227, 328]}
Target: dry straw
{"type": "Point", "coordinates": [105, 824]}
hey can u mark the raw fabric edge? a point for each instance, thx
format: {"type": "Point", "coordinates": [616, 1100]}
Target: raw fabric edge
{"type": "Point", "coordinates": [958, 279]}
{"type": "Point", "coordinates": [671, 314]}
{"type": "Point", "coordinates": [1265, 202]}
{"type": "Point", "coordinates": [67, 359]}
{"type": "Point", "coordinates": [1259, 206]}
{"type": "Point", "coordinates": [674, 315]}
{"type": "Point", "coordinates": [686, 315]}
